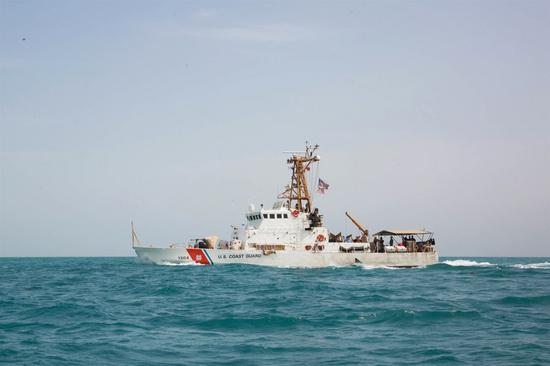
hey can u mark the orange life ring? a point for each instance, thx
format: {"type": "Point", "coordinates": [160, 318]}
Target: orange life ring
{"type": "Point", "coordinates": [295, 213]}
{"type": "Point", "coordinates": [321, 237]}
{"type": "Point", "coordinates": [308, 247]}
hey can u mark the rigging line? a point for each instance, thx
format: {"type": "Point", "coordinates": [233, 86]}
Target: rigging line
{"type": "Point", "coordinates": [314, 183]}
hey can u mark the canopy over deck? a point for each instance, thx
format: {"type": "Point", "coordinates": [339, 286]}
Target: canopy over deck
{"type": "Point", "coordinates": [402, 232]}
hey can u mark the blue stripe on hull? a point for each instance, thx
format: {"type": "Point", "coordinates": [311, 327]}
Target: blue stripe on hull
{"type": "Point", "coordinates": [208, 256]}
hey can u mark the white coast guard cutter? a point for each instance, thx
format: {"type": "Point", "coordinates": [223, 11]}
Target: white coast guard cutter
{"type": "Point", "coordinates": [291, 234]}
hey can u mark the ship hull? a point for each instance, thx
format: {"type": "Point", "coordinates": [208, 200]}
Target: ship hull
{"type": "Point", "coordinates": [282, 258]}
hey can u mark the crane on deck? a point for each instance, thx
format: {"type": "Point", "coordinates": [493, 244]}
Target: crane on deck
{"type": "Point", "coordinates": [359, 226]}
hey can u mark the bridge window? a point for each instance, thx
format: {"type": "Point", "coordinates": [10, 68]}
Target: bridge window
{"type": "Point", "coordinates": [286, 216]}
{"type": "Point", "coordinates": [271, 216]}
{"type": "Point", "coordinates": [279, 216]}
{"type": "Point", "coordinates": [265, 216]}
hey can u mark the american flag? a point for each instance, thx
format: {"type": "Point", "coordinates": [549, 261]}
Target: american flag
{"type": "Point", "coordinates": [322, 186]}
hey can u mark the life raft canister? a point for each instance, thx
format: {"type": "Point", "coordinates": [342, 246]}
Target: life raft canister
{"type": "Point", "coordinates": [321, 237]}
{"type": "Point", "coordinates": [295, 213]}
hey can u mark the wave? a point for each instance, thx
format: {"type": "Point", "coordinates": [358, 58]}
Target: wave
{"type": "Point", "coordinates": [472, 263]}
{"type": "Point", "coordinates": [467, 263]}
{"type": "Point", "coordinates": [369, 267]}
{"type": "Point", "coordinates": [526, 300]}
{"type": "Point", "coordinates": [542, 265]}
{"type": "Point", "coordinates": [452, 263]}
{"type": "Point", "coordinates": [178, 264]}
{"type": "Point", "coordinates": [403, 317]}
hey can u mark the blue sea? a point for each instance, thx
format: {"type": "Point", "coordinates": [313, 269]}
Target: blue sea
{"type": "Point", "coordinates": [114, 311]}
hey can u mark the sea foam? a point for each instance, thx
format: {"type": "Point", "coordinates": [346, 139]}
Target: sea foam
{"type": "Point", "coordinates": [369, 267]}
{"type": "Point", "coordinates": [467, 263]}
{"type": "Point", "coordinates": [543, 265]}
{"type": "Point", "coordinates": [178, 264]}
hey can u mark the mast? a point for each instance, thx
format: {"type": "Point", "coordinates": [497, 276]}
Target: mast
{"type": "Point", "coordinates": [298, 193]}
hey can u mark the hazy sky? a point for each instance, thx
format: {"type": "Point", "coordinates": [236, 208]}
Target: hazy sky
{"type": "Point", "coordinates": [175, 114]}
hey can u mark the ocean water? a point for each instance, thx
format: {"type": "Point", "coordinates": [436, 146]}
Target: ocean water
{"type": "Point", "coordinates": [113, 311]}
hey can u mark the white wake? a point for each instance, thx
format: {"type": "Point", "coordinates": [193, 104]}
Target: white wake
{"type": "Point", "coordinates": [369, 267]}
{"type": "Point", "coordinates": [177, 264]}
{"type": "Point", "coordinates": [467, 263]}
{"type": "Point", "coordinates": [543, 265]}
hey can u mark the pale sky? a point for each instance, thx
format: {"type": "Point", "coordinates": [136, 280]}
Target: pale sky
{"type": "Point", "coordinates": [175, 114]}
